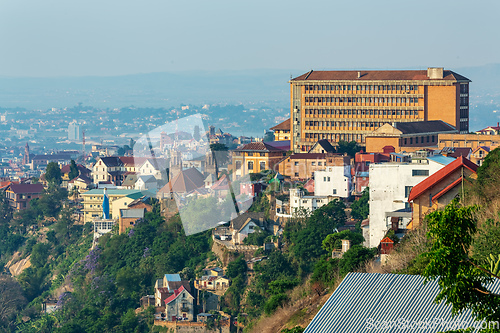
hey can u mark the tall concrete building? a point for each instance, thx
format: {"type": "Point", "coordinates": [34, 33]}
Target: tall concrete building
{"type": "Point", "coordinates": [346, 105]}
{"type": "Point", "coordinates": [74, 131]}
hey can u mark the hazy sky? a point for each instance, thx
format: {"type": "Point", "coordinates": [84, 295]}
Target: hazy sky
{"type": "Point", "coordinates": [111, 37]}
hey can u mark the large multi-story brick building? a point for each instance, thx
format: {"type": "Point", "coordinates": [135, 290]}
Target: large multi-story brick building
{"type": "Point", "coordinates": [346, 105]}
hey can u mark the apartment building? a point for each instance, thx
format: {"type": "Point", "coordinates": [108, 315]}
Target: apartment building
{"type": "Point", "coordinates": [346, 105]}
{"type": "Point", "coordinates": [390, 185]}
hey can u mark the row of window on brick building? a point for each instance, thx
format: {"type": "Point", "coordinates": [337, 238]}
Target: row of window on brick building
{"type": "Point", "coordinates": [262, 165]}
{"type": "Point", "coordinates": [358, 124]}
{"type": "Point", "coordinates": [421, 139]}
{"type": "Point", "coordinates": [313, 137]}
{"type": "Point", "coordinates": [348, 87]}
{"type": "Point", "coordinates": [348, 112]}
{"type": "Point", "coordinates": [389, 100]}
{"type": "Point", "coordinates": [359, 137]}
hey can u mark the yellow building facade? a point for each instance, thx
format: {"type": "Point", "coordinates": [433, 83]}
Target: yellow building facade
{"type": "Point", "coordinates": [92, 202]}
{"type": "Point", "coordinates": [254, 158]}
{"type": "Point", "coordinates": [346, 105]}
{"type": "Point", "coordinates": [282, 131]}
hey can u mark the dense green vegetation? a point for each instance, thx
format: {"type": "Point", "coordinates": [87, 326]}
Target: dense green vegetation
{"type": "Point", "coordinates": [309, 241]}
{"type": "Point", "coordinates": [347, 147]}
{"type": "Point", "coordinates": [98, 290]}
{"type": "Point", "coordinates": [460, 246]}
{"type": "Point", "coordinates": [361, 207]}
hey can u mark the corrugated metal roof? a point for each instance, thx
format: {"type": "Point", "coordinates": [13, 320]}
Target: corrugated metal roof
{"type": "Point", "coordinates": [373, 302]}
{"type": "Point", "coordinates": [173, 277]}
{"type": "Point", "coordinates": [444, 160]}
{"type": "Point", "coordinates": [132, 213]}
{"type": "Point", "coordinates": [110, 192]}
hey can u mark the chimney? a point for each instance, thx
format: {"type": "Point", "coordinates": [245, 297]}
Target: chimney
{"type": "Point", "coordinates": [435, 72]}
{"type": "Point", "coordinates": [346, 245]}
{"type": "Point", "coordinates": [359, 75]}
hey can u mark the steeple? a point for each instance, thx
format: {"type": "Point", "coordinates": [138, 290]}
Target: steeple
{"type": "Point", "coordinates": [26, 157]}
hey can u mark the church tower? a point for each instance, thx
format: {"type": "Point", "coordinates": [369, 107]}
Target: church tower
{"type": "Point", "coordinates": [26, 157]}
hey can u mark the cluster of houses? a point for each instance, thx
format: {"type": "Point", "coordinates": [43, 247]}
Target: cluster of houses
{"type": "Point", "coordinates": [182, 302]}
{"type": "Point", "coordinates": [396, 158]}
{"type": "Point", "coordinates": [410, 169]}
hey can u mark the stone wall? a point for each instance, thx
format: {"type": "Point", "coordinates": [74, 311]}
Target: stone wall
{"type": "Point", "coordinates": [189, 327]}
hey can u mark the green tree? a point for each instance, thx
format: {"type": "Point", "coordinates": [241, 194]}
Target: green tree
{"type": "Point", "coordinates": [349, 148]}
{"type": "Point", "coordinates": [305, 236]}
{"type": "Point", "coordinates": [462, 281]}
{"type": "Point", "coordinates": [354, 258]}
{"type": "Point", "coordinates": [334, 241]}
{"type": "Point", "coordinates": [296, 329]}
{"type": "Point", "coordinates": [274, 302]}
{"type": "Point", "coordinates": [236, 267]}
{"type": "Point", "coordinates": [73, 170]}
{"type": "Point", "coordinates": [6, 211]}
{"type": "Point", "coordinates": [281, 285]}
{"type": "Point", "coordinates": [257, 237]}
{"type": "Point", "coordinates": [488, 176]}
{"type": "Point", "coordinates": [268, 137]}
{"type": "Point", "coordinates": [361, 207]}
{"type": "Point", "coordinates": [53, 173]}
{"type": "Point", "coordinates": [486, 241]}
{"type": "Point", "coordinates": [39, 255]}
{"type": "Point", "coordinates": [11, 301]}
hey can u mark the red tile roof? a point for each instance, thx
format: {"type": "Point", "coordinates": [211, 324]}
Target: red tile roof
{"type": "Point", "coordinates": [386, 240]}
{"type": "Point", "coordinates": [438, 176]}
{"type": "Point", "coordinates": [496, 128]}
{"type": "Point", "coordinates": [26, 188]}
{"type": "Point", "coordinates": [131, 160]}
{"type": "Point", "coordinates": [282, 126]}
{"type": "Point", "coordinates": [5, 184]}
{"type": "Point", "coordinates": [405, 75]}
{"type": "Point", "coordinates": [309, 185]}
{"type": "Point", "coordinates": [221, 185]}
{"type": "Point", "coordinates": [176, 293]}
{"type": "Point", "coordinates": [258, 146]}
{"type": "Point", "coordinates": [461, 151]}
{"type": "Point", "coordinates": [163, 290]}
{"type": "Point", "coordinates": [184, 182]}
{"type": "Point", "coordinates": [81, 168]}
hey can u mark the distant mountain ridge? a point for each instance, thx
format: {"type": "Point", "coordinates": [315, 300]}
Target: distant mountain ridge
{"type": "Point", "coordinates": [172, 89]}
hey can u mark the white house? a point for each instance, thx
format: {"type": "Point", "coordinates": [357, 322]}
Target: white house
{"type": "Point", "coordinates": [245, 224]}
{"type": "Point", "coordinates": [390, 185]}
{"type": "Point", "coordinates": [180, 305]}
{"type": "Point", "coordinates": [310, 203]}
{"type": "Point", "coordinates": [154, 167]}
{"type": "Point", "coordinates": [334, 181]}
{"type": "Point", "coordinates": [146, 183]}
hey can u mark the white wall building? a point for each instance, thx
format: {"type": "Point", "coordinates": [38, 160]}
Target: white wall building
{"type": "Point", "coordinates": [334, 181]}
{"type": "Point", "coordinates": [310, 203]}
{"type": "Point", "coordinates": [390, 185]}
{"type": "Point", "coordinates": [74, 131]}
{"type": "Point", "coordinates": [154, 167]}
